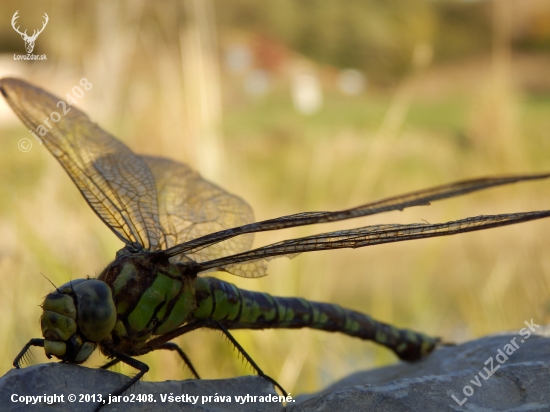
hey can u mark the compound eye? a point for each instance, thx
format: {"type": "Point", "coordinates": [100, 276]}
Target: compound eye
{"type": "Point", "coordinates": [95, 309]}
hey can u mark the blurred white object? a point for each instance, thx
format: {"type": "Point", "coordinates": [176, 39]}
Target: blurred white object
{"type": "Point", "coordinates": [351, 81]}
{"type": "Point", "coordinates": [307, 95]}
{"type": "Point", "coordinates": [257, 82]}
{"type": "Point", "coordinates": [238, 58]}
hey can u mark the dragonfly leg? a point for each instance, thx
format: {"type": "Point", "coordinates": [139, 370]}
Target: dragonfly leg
{"type": "Point", "coordinates": [112, 362]}
{"type": "Point", "coordinates": [211, 324]}
{"type": "Point", "coordinates": [183, 356]}
{"type": "Point", "coordinates": [33, 342]}
{"type": "Point", "coordinates": [140, 366]}
{"type": "Point", "coordinates": [218, 325]}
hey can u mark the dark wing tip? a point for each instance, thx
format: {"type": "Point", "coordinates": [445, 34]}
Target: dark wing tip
{"type": "Point", "coordinates": [12, 85]}
{"type": "Point", "coordinates": [31, 103]}
{"type": "Point", "coordinates": [6, 84]}
{"type": "Point", "coordinates": [20, 93]}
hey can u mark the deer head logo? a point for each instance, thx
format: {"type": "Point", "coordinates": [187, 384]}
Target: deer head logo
{"type": "Point", "coordinates": [29, 40]}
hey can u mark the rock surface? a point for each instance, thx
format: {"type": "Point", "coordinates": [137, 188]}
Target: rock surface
{"type": "Point", "coordinates": [519, 381]}
{"type": "Point", "coordinates": [65, 379]}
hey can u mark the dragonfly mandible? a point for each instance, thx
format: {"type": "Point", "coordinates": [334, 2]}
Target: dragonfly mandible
{"type": "Point", "coordinates": [175, 225]}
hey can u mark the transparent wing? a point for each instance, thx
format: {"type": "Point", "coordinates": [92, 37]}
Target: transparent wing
{"type": "Point", "coordinates": [418, 198]}
{"type": "Point", "coordinates": [115, 182]}
{"type": "Point", "coordinates": [368, 236]}
{"type": "Point", "coordinates": [191, 207]}
{"type": "Point", "coordinates": [121, 189]}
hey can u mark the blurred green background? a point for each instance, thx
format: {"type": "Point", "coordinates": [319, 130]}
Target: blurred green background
{"type": "Point", "coordinates": [297, 105]}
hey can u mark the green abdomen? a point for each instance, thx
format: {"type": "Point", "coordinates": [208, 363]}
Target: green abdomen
{"type": "Point", "coordinates": [237, 309]}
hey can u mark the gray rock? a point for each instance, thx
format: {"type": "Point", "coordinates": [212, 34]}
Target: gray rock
{"type": "Point", "coordinates": [519, 383]}
{"type": "Point", "coordinates": [65, 379]}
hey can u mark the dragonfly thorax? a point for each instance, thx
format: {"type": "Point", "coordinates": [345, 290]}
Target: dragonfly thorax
{"type": "Point", "coordinates": [77, 316]}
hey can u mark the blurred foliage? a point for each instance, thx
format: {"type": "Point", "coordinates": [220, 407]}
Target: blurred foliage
{"type": "Point", "coordinates": [377, 36]}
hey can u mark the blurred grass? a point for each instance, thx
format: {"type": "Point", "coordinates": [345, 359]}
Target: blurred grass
{"type": "Point", "coordinates": [352, 151]}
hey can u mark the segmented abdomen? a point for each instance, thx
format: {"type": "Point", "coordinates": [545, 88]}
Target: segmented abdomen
{"type": "Point", "coordinates": [242, 309]}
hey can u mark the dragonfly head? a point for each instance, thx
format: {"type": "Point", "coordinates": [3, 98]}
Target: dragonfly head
{"type": "Point", "coordinates": [76, 317]}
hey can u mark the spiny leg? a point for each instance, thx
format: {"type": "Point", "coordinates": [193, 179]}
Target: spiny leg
{"type": "Point", "coordinates": [212, 324]}
{"type": "Point", "coordinates": [172, 346]}
{"type": "Point", "coordinates": [112, 362]}
{"type": "Point", "coordinates": [247, 356]}
{"type": "Point", "coordinates": [120, 357]}
{"type": "Point", "coordinates": [168, 346]}
{"type": "Point", "coordinates": [33, 342]}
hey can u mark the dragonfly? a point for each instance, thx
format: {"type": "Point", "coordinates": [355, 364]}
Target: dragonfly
{"type": "Point", "coordinates": [176, 226]}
